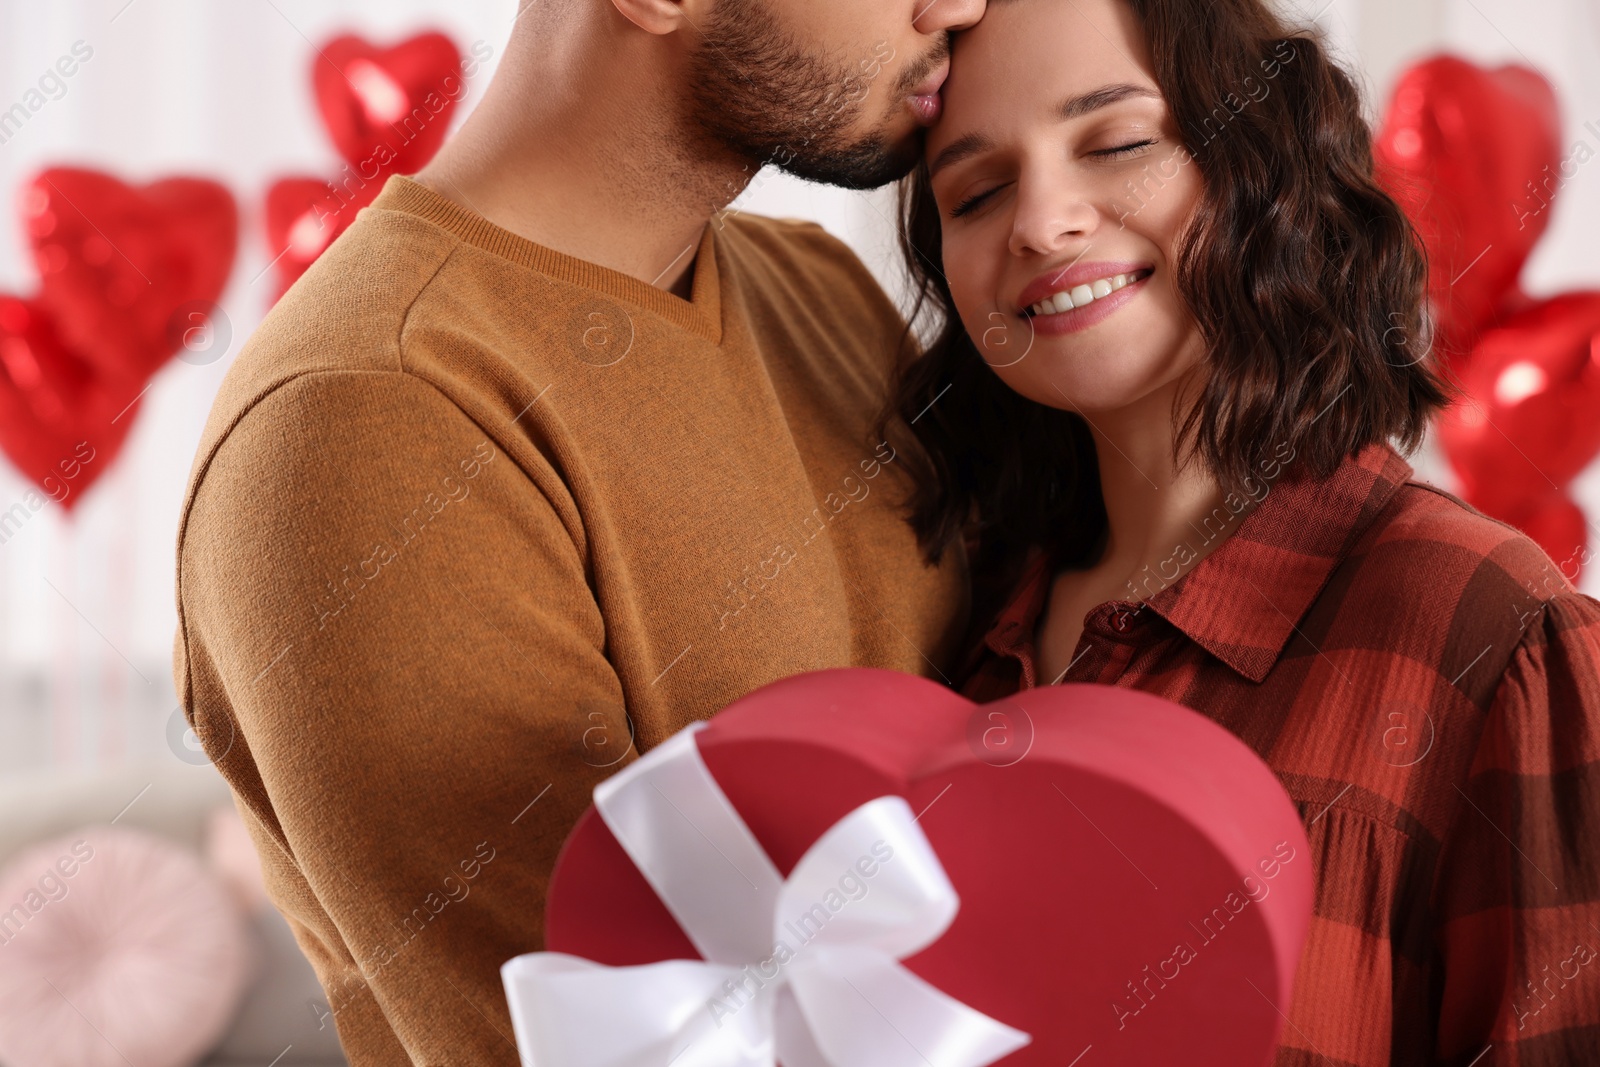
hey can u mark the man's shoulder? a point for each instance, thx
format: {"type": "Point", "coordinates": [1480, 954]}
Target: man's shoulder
{"type": "Point", "coordinates": [785, 244]}
{"type": "Point", "coordinates": [789, 252]}
{"type": "Point", "coordinates": [345, 313]}
{"type": "Point", "coordinates": [815, 285]}
{"type": "Point", "coordinates": [774, 233]}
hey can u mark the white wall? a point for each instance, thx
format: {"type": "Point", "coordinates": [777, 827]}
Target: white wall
{"type": "Point", "coordinates": [222, 89]}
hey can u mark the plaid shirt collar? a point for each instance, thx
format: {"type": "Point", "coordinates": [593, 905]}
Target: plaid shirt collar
{"type": "Point", "coordinates": [1242, 602]}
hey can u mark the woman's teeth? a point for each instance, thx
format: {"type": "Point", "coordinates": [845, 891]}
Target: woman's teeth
{"type": "Point", "coordinates": [1086, 294]}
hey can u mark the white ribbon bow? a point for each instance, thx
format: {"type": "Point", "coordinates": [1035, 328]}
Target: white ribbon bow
{"type": "Point", "coordinates": [802, 970]}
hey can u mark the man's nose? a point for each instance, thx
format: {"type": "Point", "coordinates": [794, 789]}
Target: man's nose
{"type": "Point", "coordinates": [935, 16]}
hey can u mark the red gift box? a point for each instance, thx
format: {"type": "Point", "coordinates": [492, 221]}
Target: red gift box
{"type": "Point", "coordinates": [1134, 885]}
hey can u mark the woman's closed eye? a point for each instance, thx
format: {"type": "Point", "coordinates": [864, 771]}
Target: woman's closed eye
{"type": "Point", "coordinates": [972, 203]}
{"type": "Point", "coordinates": [1122, 151]}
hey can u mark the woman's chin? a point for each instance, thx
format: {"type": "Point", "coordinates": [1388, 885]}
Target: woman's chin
{"type": "Point", "coordinates": [1088, 382]}
{"type": "Point", "coordinates": [1090, 399]}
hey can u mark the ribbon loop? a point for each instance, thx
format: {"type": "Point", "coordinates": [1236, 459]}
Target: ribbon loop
{"type": "Point", "coordinates": [568, 1010]}
{"type": "Point", "coordinates": [875, 1013]}
{"type": "Point", "coordinates": [872, 879]}
{"type": "Point", "coordinates": [804, 971]}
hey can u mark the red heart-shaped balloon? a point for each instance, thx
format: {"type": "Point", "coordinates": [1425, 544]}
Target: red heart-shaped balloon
{"type": "Point", "coordinates": [61, 423]}
{"type": "Point", "coordinates": [1531, 420]}
{"type": "Point", "coordinates": [388, 109]}
{"type": "Point", "coordinates": [305, 216]}
{"type": "Point", "coordinates": [1103, 842]}
{"type": "Point", "coordinates": [1459, 149]}
{"type": "Point", "coordinates": [1532, 423]}
{"type": "Point", "coordinates": [121, 268]}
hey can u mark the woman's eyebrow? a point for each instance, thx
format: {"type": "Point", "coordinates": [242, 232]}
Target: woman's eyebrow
{"type": "Point", "coordinates": [1071, 108]}
{"type": "Point", "coordinates": [959, 149]}
{"type": "Point", "coordinates": [1105, 96]}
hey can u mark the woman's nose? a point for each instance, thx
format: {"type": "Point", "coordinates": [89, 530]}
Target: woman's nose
{"type": "Point", "coordinates": [1049, 218]}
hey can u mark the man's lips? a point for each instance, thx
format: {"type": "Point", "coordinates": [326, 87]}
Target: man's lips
{"type": "Point", "coordinates": [935, 80]}
{"type": "Point", "coordinates": [1069, 277]}
{"type": "Point", "coordinates": [924, 99]}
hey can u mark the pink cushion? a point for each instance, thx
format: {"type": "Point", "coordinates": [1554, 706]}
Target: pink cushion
{"type": "Point", "coordinates": [116, 947]}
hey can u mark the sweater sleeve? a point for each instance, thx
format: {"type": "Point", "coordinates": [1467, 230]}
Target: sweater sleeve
{"type": "Point", "coordinates": [1518, 941]}
{"type": "Point", "coordinates": [389, 648]}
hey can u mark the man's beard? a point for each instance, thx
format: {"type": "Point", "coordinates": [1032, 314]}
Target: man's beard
{"type": "Point", "coordinates": [755, 91]}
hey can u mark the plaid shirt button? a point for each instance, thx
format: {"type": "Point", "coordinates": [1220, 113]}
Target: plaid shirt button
{"type": "Point", "coordinates": [1125, 619]}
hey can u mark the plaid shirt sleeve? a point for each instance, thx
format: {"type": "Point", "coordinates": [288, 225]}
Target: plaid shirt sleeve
{"type": "Point", "coordinates": [1518, 883]}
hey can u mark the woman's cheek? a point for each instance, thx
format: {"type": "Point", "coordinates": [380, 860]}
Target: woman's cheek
{"type": "Point", "coordinates": [973, 287]}
{"type": "Point", "coordinates": [1176, 208]}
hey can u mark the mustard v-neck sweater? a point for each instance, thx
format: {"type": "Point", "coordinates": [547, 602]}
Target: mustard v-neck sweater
{"type": "Point", "coordinates": [472, 523]}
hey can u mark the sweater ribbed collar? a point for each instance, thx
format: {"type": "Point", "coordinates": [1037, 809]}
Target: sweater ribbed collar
{"type": "Point", "coordinates": [702, 314]}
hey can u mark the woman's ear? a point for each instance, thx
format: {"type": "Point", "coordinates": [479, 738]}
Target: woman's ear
{"type": "Point", "coordinates": [663, 16]}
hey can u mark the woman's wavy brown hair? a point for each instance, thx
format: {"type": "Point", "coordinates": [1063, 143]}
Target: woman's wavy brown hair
{"type": "Point", "coordinates": [1306, 279]}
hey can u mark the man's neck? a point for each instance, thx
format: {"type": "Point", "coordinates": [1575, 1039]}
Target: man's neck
{"type": "Point", "coordinates": [584, 158]}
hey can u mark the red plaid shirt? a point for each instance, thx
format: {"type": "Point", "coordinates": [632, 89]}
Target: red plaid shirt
{"type": "Point", "coordinates": [1426, 684]}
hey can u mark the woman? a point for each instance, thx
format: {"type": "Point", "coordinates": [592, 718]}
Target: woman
{"type": "Point", "coordinates": [1182, 325]}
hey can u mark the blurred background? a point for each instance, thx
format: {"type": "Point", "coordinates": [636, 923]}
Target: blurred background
{"type": "Point", "coordinates": [97, 96]}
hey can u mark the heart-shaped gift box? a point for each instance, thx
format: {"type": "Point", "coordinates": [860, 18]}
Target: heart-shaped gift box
{"type": "Point", "coordinates": [1134, 885]}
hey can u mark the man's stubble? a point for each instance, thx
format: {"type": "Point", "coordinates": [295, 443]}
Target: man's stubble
{"type": "Point", "coordinates": [755, 92]}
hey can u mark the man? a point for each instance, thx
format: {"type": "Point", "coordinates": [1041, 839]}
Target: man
{"type": "Point", "coordinates": [542, 461]}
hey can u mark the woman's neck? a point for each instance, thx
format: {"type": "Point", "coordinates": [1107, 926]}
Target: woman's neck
{"type": "Point", "coordinates": [1160, 521]}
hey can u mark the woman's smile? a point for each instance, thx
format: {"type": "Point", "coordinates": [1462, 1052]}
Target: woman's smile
{"type": "Point", "coordinates": [1081, 296]}
{"type": "Point", "coordinates": [1032, 177]}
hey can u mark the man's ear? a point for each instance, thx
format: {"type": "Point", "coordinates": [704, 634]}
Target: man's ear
{"type": "Point", "coordinates": [665, 16]}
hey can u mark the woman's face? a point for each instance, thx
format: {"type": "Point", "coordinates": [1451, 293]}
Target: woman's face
{"type": "Point", "coordinates": [1063, 189]}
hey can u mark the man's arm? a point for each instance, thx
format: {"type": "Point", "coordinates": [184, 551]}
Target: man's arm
{"type": "Point", "coordinates": [389, 647]}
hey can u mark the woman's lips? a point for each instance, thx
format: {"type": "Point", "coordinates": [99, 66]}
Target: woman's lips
{"type": "Point", "coordinates": [1064, 322]}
